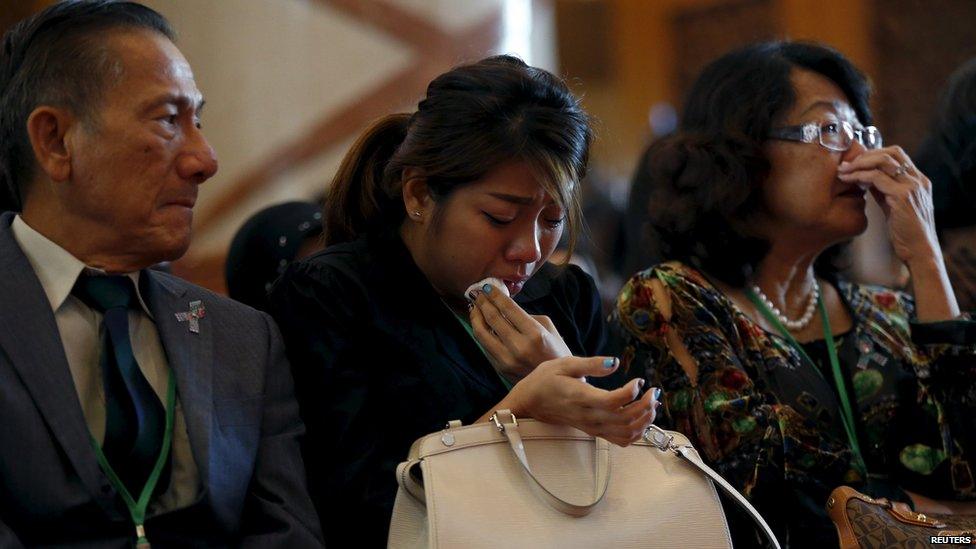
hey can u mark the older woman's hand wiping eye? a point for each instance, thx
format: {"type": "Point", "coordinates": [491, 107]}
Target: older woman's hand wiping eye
{"type": "Point", "coordinates": [905, 196]}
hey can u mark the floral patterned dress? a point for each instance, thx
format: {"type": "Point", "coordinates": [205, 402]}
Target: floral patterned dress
{"type": "Point", "coordinates": [769, 422]}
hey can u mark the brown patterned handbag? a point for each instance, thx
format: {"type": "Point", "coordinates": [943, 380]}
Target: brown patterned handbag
{"type": "Point", "coordinates": [867, 523]}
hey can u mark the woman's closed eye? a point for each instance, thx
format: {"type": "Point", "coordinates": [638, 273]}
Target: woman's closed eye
{"type": "Point", "coordinates": [556, 223]}
{"type": "Point", "coordinates": [497, 220]}
{"type": "Point", "coordinates": [553, 216]}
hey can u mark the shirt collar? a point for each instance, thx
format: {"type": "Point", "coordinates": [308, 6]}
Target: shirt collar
{"type": "Point", "coordinates": [55, 267]}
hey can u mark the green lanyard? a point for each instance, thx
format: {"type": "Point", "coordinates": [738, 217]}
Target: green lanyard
{"type": "Point", "coordinates": [847, 414]}
{"type": "Point", "coordinates": [467, 328]}
{"type": "Point", "coordinates": [137, 509]}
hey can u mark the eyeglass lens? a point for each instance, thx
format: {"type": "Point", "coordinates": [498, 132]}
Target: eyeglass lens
{"type": "Point", "coordinates": [839, 136]}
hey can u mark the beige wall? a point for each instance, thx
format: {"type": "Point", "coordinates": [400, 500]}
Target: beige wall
{"type": "Point", "coordinates": [269, 71]}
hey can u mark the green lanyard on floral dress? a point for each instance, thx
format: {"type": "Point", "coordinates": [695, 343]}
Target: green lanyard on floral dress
{"type": "Point", "coordinates": [846, 412]}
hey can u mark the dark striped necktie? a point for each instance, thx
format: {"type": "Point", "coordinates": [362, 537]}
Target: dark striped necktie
{"type": "Point", "coordinates": [135, 418]}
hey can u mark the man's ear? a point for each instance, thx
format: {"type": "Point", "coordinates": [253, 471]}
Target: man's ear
{"type": "Point", "coordinates": [47, 128]}
{"type": "Point", "coordinates": [416, 195]}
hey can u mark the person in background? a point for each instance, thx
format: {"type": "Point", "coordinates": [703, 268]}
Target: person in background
{"type": "Point", "coordinates": [789, 379]}
{"type": "Point", "coordinates": [599, 251]}
{"type": "Point", "coordinates": [266, 244]}
{"type": "Point", "coordinates": [480, 181]}
{"type": "Point", "coordinates": [135, 407]}
{"type": "Point", "coordinates": [948, 156]}
{"type": "Point", "coordinates": [639, 249]}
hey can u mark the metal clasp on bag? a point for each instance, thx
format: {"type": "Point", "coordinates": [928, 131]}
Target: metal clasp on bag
{"type": "Point", "coordinates": [499, 424]}
{"type": "Point", "coordinates": [660, 438]}
{"type": "Point", "coordinates": [447, 438]}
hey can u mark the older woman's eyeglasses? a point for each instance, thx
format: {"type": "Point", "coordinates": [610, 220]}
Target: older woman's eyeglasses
{"type": "Point", "coordinates": [833, 136]}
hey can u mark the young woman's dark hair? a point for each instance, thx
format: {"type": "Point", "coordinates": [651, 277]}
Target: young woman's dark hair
{"type": "Point", "coordinates": [474, 118]}
{"type": "Point", "coordinates": [948, 155]}
{"type": "Point", "coordinates": [707, 177]}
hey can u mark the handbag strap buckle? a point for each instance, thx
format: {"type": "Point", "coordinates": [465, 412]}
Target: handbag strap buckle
{"type": "Point", "coordinates": [659, 438]}
{"type": "Point", "coordinates": [498, 424]}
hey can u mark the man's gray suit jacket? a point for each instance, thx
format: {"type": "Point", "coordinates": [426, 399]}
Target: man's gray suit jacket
{"type": "Point", "coordinates": [235, 389]}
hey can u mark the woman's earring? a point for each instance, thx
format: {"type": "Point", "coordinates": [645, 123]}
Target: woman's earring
{"type": "Point", "coordinates": [416, 213]}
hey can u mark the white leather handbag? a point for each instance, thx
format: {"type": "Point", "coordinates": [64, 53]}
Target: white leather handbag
{"type": "Point", "coordinates": [524, 483]}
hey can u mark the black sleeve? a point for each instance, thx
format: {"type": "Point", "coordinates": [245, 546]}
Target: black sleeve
{"type": "Point", "coordinates": [592, 324]}
{"type": "Point", "coordinates": [323, 313]}
{"type": "Point", "coordinates": [317, 310]}
{"type": "Point", "coordinates": [589, 314]}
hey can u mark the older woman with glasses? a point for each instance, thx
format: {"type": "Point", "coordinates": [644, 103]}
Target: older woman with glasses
{"type": "Point", "coordinates": [790, 379]}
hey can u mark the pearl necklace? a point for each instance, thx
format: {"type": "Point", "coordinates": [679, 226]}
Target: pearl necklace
{"type": "Point", "coordinates": [804, 320]}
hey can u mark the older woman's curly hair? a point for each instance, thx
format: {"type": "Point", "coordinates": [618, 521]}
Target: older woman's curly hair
{"type": "Point", "coordinates": [706, 178]}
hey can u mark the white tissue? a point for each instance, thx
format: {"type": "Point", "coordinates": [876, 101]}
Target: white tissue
{"type": "Point", "coordinates": [472, 292]}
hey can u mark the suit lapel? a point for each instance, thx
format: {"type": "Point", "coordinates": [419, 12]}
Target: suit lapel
{"type": "Point", "coordinates": [29, 336]}
{"type": "Point", "coordinates": [190, 355]}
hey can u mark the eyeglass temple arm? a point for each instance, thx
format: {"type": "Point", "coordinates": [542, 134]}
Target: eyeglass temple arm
{"type": "Point", "coordinates": [792, 133]}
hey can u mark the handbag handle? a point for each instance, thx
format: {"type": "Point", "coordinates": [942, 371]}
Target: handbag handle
{"type": "Point", "coordinates": [506, 423]}
{"type": "Point", "coordinates": [661, 440]}
{"type": "Point", "coordinates": [406, 480]}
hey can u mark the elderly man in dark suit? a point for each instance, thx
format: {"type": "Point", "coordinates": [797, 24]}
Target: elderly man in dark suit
{"type": "Point", "coordinates": [134, 406]}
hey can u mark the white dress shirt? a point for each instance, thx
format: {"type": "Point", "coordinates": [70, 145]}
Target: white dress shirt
{"type": "Point", "coordinates": [80, 329]}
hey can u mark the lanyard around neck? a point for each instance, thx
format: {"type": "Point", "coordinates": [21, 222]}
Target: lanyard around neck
{"type": "Point", "coordinates": [846, 411]}
{"type": "Point", "coordinates": [467, 328]}
{"type": "Point", "coordinates": [137, 508]}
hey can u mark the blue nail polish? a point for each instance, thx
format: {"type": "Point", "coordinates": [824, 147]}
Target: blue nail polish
{"type": "Point", "coordinates": [657, 393]}
{"type": "Point", "coordinates": [486, 288]}
{"type": "Point", "coordinates": [609, 363]}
